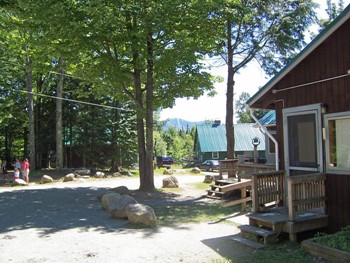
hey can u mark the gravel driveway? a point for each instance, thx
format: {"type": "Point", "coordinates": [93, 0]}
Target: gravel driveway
{"type": "Point", "coordinates": [64, 222]}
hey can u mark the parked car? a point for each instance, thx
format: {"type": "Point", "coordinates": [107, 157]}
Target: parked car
{"type": "Point", "coordinates": [209, 165]}
{"type": "Point", "coordinates": [164, 161]}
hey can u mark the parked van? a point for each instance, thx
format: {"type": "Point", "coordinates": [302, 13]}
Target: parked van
{"type": "Point", "coordinates": [164, 161]}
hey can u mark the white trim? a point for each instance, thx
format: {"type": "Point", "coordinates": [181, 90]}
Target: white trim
{"type": "Point", "coordinates": [295, 111]}
{"type": "Point", "coordinates": [327, 117]}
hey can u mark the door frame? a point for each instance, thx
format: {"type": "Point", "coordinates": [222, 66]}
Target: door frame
{"type": "Point", "coordinates": [302, 110]}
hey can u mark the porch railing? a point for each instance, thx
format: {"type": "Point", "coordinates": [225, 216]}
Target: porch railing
{"type": "Point", "coordinates": [268, 187]}
{"type": "Point", "coordinates": [236, 169]}
{"type": "Point", "coordinates": [305, 192]}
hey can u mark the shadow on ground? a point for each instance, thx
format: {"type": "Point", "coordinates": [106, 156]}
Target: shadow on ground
{"type": "Point", "coordinates": [230, 249]}
{"type": "Point", "coordinates": [51, 210]}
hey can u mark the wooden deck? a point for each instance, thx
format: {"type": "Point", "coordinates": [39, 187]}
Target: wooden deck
{"type": "Point", "coordinates": [304, 209]}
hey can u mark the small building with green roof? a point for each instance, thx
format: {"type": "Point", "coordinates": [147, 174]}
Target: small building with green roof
{"type": "Point", "coordinates": [210, 141]}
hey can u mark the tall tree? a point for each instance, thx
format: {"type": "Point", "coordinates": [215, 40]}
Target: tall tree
{"type": "Point", "coordinates": [59, 138]}
{"type": "Point", "coordinates": [145, 51]}
{"type": "Point", "coordinates": [269, 31]}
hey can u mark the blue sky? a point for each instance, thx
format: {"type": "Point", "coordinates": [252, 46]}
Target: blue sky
{"type": "Point", "coordinates": [250, 80]}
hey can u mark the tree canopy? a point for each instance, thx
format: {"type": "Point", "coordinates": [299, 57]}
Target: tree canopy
{"type": "Point", "coordinates": [143, 55]}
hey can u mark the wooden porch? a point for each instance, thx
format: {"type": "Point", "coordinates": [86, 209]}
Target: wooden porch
{"type": "Point", "coordinates": [301, 208]}
{"type": "Point", "coordinates": [280, 204]}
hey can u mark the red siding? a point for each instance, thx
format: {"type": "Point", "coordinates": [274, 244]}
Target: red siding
{"type": "Point", "coordinates": [338, 201]}
{"type": "Point", "coordinates": [330, 59]}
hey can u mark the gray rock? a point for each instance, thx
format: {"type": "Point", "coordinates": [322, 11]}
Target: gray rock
{"type": "Point", "coordinates": [168, 172]}
{"type": "Point", "coordinates": [99, 175]}
{"type": "Point", "coordinates": [170, 182]}
{"type": "Point", "coordinates": [196, 170]}
{"type": "Point", "coordinates": [208, 179]}
{"type": "Point", "coordinates": [19, 182]}
{"type": "Point", "coordinates": [108, 199]}
{"type": "Point", "coordinates": [118, 208]}
{"type": "Point", "coordinates": [123, 190]}
{"type": "Point", "coordinates": [140, 214]}
{"type": "Point", "coordinates": [69, 177]}
{"type": "Point", "coordinates": [46, 179]}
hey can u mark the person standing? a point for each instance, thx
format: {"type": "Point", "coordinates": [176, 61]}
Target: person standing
{"type": "Point", "coordinates": [18, 166]}
{"type": "Point", "coordinates": [4, 170]}
{"type": "Point", "coordinates": [25, 170]}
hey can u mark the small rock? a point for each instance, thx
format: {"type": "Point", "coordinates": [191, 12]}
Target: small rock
{"type": "Point", "coordinates": [208, 179]}
{"type": "Point", "coordinates": [69, 177]}
{"type": "Point", "coordinates": [19, 182]}
{"type": "Point", "coordinates": [99, 175]}
{"type": "Point", "coordinates": [168, 172]}
{"type": "Point", "coordinates": [196, 170]}
{"type": "Point", "coordinates": [46, 179]}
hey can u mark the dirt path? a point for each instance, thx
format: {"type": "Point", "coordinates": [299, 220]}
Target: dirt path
{"type": "Point", "coordinates": [64, 222]}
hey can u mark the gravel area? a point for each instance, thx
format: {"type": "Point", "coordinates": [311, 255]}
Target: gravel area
{"type": "Point", "coordinates": [64, 222]}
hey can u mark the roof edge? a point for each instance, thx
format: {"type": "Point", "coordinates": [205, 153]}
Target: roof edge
{"type": "Point", "coordinates": [319, 39]}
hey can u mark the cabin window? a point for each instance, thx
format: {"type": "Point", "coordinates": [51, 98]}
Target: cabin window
{"type": "Point", "coordinates": [338, 142]}
{"type": "Point", "coordinates": [215, 155]}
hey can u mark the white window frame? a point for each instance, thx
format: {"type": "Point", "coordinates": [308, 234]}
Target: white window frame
{"type": "Point", "coordinates": [327, 118]}
{"type": "Point", "coordinates": [215, 155]}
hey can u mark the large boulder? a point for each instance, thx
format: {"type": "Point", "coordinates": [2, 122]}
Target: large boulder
{"type": "Point", "coordinates": [118, 208]}
{"type": "Point", "coordinates": [123, 190]}
{"type": "Point", "coordinates": [69, 177]}
{"type": "Point", "coordinates": [170, 182]}
{"type": "Point", "coordinates": [140, 214]}
{"type": "Point", "coordinates": [108, 199]}
{"type": "Point", "coordinates": [46, 179]}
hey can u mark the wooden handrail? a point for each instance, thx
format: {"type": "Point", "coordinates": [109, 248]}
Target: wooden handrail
{"type": "Point", "coordinates": [305, 192]}
{"type": "Point", "coordinates": [267, 187]}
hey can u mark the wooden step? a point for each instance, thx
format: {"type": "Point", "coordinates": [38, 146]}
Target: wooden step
{"type": "Point", "coordinates": [268, 235]}
{"type": "Point", "coordinates": [247, 242]}
{"type": "Point", "coordinates": [213, 197]}
{"type": "Point", "coordinates": [215, 192]}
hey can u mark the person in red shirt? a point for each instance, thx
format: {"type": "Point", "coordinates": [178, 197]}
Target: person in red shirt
{"type": "Point", "coordinates": [25, 170]}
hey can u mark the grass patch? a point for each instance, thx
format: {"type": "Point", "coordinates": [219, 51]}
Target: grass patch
{"type": "Point", "coordinates": [201, 186]}
{"type": "Point", "coordinates": [339, 240]}
{"type": "Point", "coordinates": [176, 214]}
{"type": "Point", "coordinates": [286, 252]}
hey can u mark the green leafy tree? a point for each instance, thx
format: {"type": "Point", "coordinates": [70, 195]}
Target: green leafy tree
{"type": "Point", "coordinates": [332, 10]}
{"type": "Point", "coordinates": [270, 32]}
{"type": "Point", "coordinates": [243, 113]}
{"type": "Point", "coordinates": [147, 51]}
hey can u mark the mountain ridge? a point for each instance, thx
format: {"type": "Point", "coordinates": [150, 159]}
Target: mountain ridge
{"type": "Point", "coordinates": [179, 123]}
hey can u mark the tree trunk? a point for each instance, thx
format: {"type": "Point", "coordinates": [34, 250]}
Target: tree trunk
{"type": "Point", "coordinates": [29, 85]}
{"type": "Point", "coordinates": [147, 182]}
{"type": "Point", "coordinates": [230, 100]}
{"type": "Point", "coordinates": [59, 91]}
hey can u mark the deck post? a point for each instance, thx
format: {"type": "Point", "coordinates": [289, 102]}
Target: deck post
{"type": "Point", "coordinates": [255, 194]}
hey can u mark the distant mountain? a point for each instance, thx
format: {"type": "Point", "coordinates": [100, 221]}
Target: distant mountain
{"type": "Point", "coordinates": [180, 124]}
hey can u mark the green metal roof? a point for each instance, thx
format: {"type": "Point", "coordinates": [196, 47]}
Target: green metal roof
{"type": "Point", "coordinates": [330, 29]}
{"type": "Point", "coordinates": [212, 138]}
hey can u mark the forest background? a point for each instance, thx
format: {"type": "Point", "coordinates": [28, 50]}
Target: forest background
{"type": "Point", "coordinates": [83, 81]}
